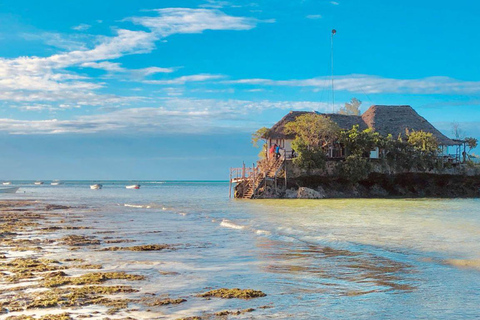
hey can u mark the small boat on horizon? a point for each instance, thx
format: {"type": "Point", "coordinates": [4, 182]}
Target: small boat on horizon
{"type": "Point", "coordinates": [7, 183]}
{"type": "Point", "coordinates": [96, 186]}
{"type": "Point", "coordinates": [38, 183]}
{"type": "Point", "coordinates": [133, 186]}
{"type": "Point", "coordinates": [9, 190]}
{"type": "Point", "coordinates": [55, 183]}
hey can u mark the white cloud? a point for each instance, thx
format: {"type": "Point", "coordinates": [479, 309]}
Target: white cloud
{"type": "Point", "coordinates": [335, 3]}
{"type": "Point", "coordinates": [185, 79]}
{"type": "Point", "coordinates": [76, 97]}
{"type": "Point", "coordinates": [185, 20]}
{"type": "Point", "coordinates": [67, 42]}
{"type": "Point", "coordinates": [174, 91]}
{"type": "Point", "coordinates": [35, 107]}
{"type": "Point", "coordinates": [48, 75]}
{"type": "Point", "coordinates": [314, 16]}
{"type": "Point", "coordinates": [46, 78]}
{"type": "Point", "coordinates": [176, 115]}
{"type": "Point", "coordinates": [375, 84]}
{"type": "Point", "coordinates": [82, 27]}
{"type": "Point", "coordinates": [114, 67]}
{"type": "Point", "coordinates": [216, 4]}
{"type": "Point", "coordinates": [104, 65]}
{"type": "Point", "coordinates": [151, 70]}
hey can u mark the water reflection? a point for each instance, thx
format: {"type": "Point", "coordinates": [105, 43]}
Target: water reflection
{"type": "Point", "coordinates": [336, 269]}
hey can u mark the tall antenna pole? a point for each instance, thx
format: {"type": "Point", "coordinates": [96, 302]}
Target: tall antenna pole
{"type": "Point", "coordinates": [333, 87]}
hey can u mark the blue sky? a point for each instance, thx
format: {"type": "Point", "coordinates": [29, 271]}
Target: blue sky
{"type": "Point", "coordinates": [173, 89]}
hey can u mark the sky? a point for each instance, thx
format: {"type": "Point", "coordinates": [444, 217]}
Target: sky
{"type": "Point", "coordinates": [173, 89]}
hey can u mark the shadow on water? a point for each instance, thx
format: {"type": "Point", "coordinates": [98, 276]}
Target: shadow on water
{"type": "Point", "coordinates": [338, 271]}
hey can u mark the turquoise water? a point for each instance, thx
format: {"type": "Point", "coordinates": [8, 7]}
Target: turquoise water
{"type": "Point", "coordinates": [315, 259]}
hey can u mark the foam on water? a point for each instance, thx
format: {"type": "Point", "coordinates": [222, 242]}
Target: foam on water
{"type": "Point", "coordinates": [137, 206]}
{"type": "Point", "coordinates": [229, 224]}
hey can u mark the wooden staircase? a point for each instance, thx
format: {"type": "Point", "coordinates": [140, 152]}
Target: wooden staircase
{"type": "Point", "coordinates": [275, 167]}
{"type": "Point", "coordinates": [271, 172]}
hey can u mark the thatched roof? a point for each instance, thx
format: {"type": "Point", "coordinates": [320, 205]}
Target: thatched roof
{"type": "Point", "coordinates": [278, 129]}
{"type": "Point", "coordinates": [394, 120]}
{"type": "Point", "coordinates": [346, 122]}
{"type": "Point", "coordinates": [343, 121]}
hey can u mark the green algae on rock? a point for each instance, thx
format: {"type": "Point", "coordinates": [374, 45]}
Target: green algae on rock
{"type": "Point", "coordinates": [89, 278]}
{"type": "Point", "coordinates": [233, 293]}
{"type": "Point", "coordinates": [67, 297]}
{"type": "Point", "coordinates": [234, 313]}
{"type": "Point", "coordinates": [62, 316]}
{"type": "Point", "coordinates": [50, 207]}
{"type": "Point", "coordinates": [148, 247]}
{"type": "Point", "coordinates": [87, 266]}
{"type": "Point", "coordinates": [164, 302]}
{"type": "Point", "coordinates": [75, 240]}
{"type": "Point", "coordinates": [25, 266]}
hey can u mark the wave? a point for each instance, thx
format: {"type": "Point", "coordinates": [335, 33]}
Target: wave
{"type": "Point", "coordinates": [140, 206]}
{"type": "Point", "coordinates": [263, 232]}
{"type": "Point", "coordinates": [228, 224]}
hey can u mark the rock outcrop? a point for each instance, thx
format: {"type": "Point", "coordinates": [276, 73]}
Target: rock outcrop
{"type": "Point", "coordinates": [307, 193]}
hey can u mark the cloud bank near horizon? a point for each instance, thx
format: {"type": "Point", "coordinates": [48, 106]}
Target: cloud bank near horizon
{"type": "Point", "coordinates": [176, 115]}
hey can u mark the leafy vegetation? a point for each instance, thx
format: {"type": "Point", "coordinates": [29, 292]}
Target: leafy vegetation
{"type": "Point", "coordinates": [308, 158]}
{"type": "Point", "coordinates": [314, 130]}
{"type": "Point", "coordinates": [360, 143]}
{"type": "Point", "coordinates": [416, 150]}
{"type": "Point", "coordinates": [471, 143]}
{"type": "Point", "coordinates": [354, 168]}
{"type": "Point", "coordinates": [351, 108]}
{"type": "Point", "coordinates": [258, 135]}
{"type": "Point", "coordinates": [313, 133]}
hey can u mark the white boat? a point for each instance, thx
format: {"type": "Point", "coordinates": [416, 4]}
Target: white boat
{"type": "Point", "coordinates": [96, 186]}
{"type": "Point", "coordinates": [133, 186]}
{"type": "Point", "coordinates": [9, 190]}
{"type": "Point", "coordinates": [55, 183]}
{"type": "Point", "coordinates": [38, 183]}
{"type": "Point", "coordinates": [7, 183]}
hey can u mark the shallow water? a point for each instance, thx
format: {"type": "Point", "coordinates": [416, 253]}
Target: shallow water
{"type": "Point", "coordinates": [315, 259]}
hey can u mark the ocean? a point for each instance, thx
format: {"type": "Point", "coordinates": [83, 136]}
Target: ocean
{"type": "Point", "coordinates": [315, 259]}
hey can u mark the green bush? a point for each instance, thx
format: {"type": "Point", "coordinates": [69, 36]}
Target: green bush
{"type": "Point", "coordinates": [308, 157]}
{"type": "Point", "coordinates": [354, 168]}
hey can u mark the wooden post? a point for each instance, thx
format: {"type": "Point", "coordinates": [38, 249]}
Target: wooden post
{"type": "Point", "coordinates": [254, 173]}
{"type": "Point", "coordinates": [243, 171]}
{"type": "Point", "coordinates": [230, 185]}
{"type": "Point", "coordinates": [275, 182]}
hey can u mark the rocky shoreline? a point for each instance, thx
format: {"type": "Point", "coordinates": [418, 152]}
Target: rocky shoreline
{"type": "Point", "coordinates": [377, 185]}
{"type": "Point", "coordinates": [46, 273]}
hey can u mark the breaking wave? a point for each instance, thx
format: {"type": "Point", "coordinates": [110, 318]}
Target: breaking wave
{"type": "Point", "coordinates": [228, 224]}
